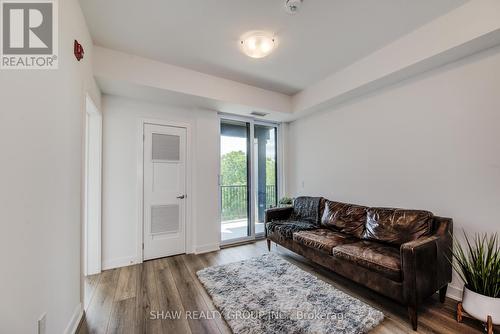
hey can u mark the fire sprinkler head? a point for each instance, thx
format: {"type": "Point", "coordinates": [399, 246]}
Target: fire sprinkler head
{"type": "Point", "coordinates": [292, 6]}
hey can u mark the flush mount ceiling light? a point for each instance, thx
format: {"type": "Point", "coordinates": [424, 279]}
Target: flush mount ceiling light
{"type": "Point", "coordinates": [257, 44]}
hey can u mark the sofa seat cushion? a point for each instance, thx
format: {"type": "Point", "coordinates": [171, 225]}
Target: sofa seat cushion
{"type": "Point", "coordinates": [381, 258]}
{"type": "Point", "coordinates": [397, 226]}
{"type": "Point", "coordinates": [322, 239]}
{"type": "Point", "coordinates": [286, 228]}
{"type": "Point", "coordinates": [344, 218]}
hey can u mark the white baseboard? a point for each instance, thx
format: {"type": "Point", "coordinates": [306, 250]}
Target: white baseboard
{"type": "Point", "coordinates": [75, 320]}
{"type": "Point", "coordinates": [130, 260]}
{"type": "Point", "coordinates": [119, 262]}
{"type": "Point", "coordinates": [206, 248]}
{"type": "Point", "coordinates": [454, 292]}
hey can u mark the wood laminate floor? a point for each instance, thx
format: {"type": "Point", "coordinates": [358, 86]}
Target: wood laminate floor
{"type": "Point", "coordinates": [120, 300]}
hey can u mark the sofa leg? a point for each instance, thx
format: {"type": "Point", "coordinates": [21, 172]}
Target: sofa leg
{"type": "Point", "coordinates": [268, 244]}
{"type": "Point", "coordinates": [459, 312]}
{"type": "Point", "coordinates": [412, 314]}
{"type": "Point", "coordinates": [442, 293]}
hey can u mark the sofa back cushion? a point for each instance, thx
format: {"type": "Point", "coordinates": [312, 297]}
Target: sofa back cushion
{"type": "Point", "coordinates": [307, 209]}
{"type": "Point", "coordinates": [345, 218]}
{"type": "Point", "coordinates": [397, 226]}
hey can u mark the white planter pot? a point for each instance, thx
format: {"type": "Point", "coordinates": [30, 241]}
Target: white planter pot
{"type": "Point", "coordinates": [480, 306]}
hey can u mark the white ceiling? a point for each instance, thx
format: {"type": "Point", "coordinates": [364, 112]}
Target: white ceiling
{"type": "Point", "coordinates": [325, 36]}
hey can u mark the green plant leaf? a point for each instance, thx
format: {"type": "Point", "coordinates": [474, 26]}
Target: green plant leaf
{"type": "Point", "coordinates": [477, 263]}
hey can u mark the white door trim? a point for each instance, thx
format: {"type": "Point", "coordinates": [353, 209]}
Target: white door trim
{"type": "Point", "coordinates": [140, 184]}
{"type": "Point", "coordinates": [93, 122]}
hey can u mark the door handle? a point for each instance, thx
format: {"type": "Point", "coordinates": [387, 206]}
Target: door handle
{"type": "Point", "coordinates": [181, 196]}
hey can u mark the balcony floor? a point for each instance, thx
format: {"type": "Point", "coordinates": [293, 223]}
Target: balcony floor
{"type": "Point", "coordinates": [234, 229]}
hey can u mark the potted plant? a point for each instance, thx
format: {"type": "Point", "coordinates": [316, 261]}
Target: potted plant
{"type": "Point", "coordinates": [477, 262]}
{"type": "Point", "coordinates": [285, 201]}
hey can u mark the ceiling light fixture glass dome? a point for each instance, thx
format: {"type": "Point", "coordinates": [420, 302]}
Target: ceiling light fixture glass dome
{"type": "Point", "coordinates": [257, 44]}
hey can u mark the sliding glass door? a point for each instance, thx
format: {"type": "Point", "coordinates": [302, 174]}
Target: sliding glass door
{"type": "Point", "coordinates": [235, 180]}
{"type": "Point", "coordinates": [265, 173]}
{"type": "Point", "coordinates": [248, 177]}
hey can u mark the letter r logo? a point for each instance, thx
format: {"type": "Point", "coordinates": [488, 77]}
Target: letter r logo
{"type": "Point", "coordinates": [27, 28]}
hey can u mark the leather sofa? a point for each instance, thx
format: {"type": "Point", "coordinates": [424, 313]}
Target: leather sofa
{"type": "Point", "coordinates": [402, 254]}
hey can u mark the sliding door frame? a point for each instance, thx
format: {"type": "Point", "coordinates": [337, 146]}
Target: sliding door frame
{"type": "Point", "coordinates": [250, 172]}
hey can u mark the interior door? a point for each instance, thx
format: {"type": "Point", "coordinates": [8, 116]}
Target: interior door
{"type": "Point", "coordinates": [164, 191]}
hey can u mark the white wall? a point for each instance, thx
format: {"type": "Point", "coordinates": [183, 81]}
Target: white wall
{"type": "Point", "coordinates": [432, 142]}
{"type": "Point", "coordinates": [121, 133]}
{"type": "Point", "coordinates": [41, 124]}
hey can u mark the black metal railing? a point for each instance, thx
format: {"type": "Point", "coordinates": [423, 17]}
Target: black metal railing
{"type": "Point", "coordinates": [234, 201]}
{"type": "Point", "coordinates": [271, 199]}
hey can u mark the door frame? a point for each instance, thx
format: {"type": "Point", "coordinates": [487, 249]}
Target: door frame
{"type": "Point", "coordinates": [140, 185]}
{"type": "Point", "coordinates": [279, 162]}
{"type": "Point", "coordinates": [93, 121]}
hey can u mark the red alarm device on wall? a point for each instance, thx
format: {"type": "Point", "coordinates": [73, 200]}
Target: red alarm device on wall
{"type": "Point", "coordinates": [78, 51]}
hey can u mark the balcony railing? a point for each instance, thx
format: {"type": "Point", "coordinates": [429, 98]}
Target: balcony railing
{"type": "Point", "coordinates": [234, 201]}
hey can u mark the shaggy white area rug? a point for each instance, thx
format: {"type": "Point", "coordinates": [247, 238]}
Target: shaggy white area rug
{"type": "Point", "coordinates": [267, 294]}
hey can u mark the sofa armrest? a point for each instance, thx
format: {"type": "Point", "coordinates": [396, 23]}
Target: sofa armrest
{"type": "Point", "coordinates": [420, 260]}
{"type": "Point", "coordinates": [281, 213]}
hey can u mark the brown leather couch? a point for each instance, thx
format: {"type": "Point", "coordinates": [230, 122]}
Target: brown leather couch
{"type": "Point", "coordinates": [399, 253]}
